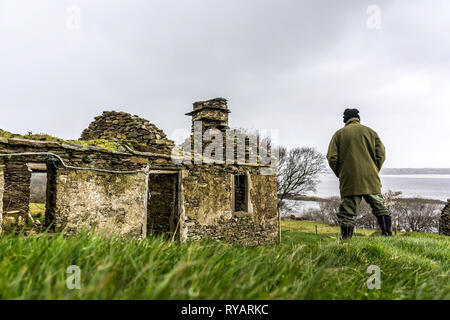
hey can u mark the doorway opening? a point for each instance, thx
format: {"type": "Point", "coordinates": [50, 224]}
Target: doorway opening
{"type": "Point", "coordinates": [38, 191]}
{"type": "Point", "coordinates": [162, 207]}
{"type": "Point", "coordinates": [26, 202]}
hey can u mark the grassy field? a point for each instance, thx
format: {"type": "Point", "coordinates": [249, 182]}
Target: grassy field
{"type": "Point", "coordinates": [308, 265]}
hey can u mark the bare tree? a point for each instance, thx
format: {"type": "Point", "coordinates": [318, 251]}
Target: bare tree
{"type": "Point", "coordinates": [365, 218]}
{"type": "Point", "coordinates": [417, 215]}
{"type": "Point", "coordinates": [329, 210]}
{"type": "Point", "coordinates": [298, 171]}
{"type": "Point", "coordinates": [412, 215]}
{"type": "Point", "coordinates": [298, 168]}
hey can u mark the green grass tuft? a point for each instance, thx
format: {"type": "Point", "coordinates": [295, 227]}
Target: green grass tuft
{"type": "Point", "coordinates": [306, 266]}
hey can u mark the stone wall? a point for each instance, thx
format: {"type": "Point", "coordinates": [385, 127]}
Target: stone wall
{"type": "Point", "coordinates": [209, 205]}
{"type": "Point", "coordinates": [207, 194]}
{"type": "Point", "coordinates": [112, 125]}
{"type": "Point", "coordinates": [80, 156]}
{"type": "Point", "coordinates": [240, 227]}
{"type": "Point", "coordinates": [263, 195]}
{"type": "Point", "coordinates": [16, 195]}
{"type": "Point", "coordinates": [79, 199]}
{"type": "Point", "coordinates": [444, 222]}
{"type": "Point", "coordinates": [2, 186]}
{"type": "Point", "coordinates": [112, 203]}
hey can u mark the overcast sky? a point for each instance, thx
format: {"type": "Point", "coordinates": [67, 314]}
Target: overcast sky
{"type": "Point", "coordinates": [289, 65]}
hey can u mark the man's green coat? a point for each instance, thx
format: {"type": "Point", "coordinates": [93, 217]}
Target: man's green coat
{"type": "Point", "coordinates": [356, 155]}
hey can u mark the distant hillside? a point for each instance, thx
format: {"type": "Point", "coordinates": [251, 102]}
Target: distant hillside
{"type": "Point", "coordinates": [415, 171]}
{"type": "Point", "coordinates": [394, 171]}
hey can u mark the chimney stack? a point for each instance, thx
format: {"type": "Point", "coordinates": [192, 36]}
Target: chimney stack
{"type": "Point", "coordinates": [212, 113]}
{"type": "Point", "coordinates": [209, 115]}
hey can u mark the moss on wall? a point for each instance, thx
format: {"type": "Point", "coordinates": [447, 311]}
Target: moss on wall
{"type": "Point", "coordinates": [137, 132]}
{"type": "Point", "coordinates": [80, 156]}
{"type": "Point", "coordinates": [30, 136]}
{"type": "Point", "coordinates": [100, 143]}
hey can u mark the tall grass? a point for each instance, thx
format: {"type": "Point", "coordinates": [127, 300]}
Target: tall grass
{"type": "Point", "coordinates": [306, 266]}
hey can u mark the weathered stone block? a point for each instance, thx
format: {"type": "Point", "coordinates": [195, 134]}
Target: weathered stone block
{"type": "Point", "coordinates": [139, 160]}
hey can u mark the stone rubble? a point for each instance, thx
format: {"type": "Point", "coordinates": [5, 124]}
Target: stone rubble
{"type": "Point", "coordinates": [121, 126]}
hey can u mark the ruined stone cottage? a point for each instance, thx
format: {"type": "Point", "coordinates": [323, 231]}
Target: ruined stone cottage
{"type": "Point", "coordinates": [141, 186]}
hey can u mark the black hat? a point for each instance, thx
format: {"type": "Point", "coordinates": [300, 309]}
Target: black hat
{"type": "Point", "coordinates": [351, 113]}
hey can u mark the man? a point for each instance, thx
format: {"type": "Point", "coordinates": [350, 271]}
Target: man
{"type": "Point", "coordinates": [356, 155]}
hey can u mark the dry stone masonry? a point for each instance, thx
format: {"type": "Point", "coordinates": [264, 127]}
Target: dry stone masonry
{"type": "Point", "coordinates": [444, 223]}
{"type": "Point", "coordinates": [16, 195]}
{"type": "Point", "coordinates": [213, 113]}
{"type": "Point", "coordinates": [210, 208]}
{"type": "Point", "coordinates": [121, 126]}
{"type": "Point", "coordinates": [138, 189]}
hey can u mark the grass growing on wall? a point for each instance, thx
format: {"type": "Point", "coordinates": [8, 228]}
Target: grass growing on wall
{"type": "Point", "coordinates": [101, 143]}
{"type": "Point", "coordinates": [306, 266]}
{"type": "Point", "coordinates": [30, 136]}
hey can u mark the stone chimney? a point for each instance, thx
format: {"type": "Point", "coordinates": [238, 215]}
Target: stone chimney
{"type": "Point", "coordinates": [208, 115]}
{"type": "Point", "coordinates": [212, 113]}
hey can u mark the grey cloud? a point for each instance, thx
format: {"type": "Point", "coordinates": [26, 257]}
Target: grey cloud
{"type": "Point", "coordinates": [292, 65]}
